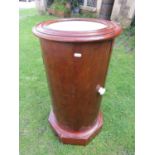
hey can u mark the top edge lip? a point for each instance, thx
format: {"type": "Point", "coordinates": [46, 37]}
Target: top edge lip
{"type": "Point", "coordinates": [111, 30]}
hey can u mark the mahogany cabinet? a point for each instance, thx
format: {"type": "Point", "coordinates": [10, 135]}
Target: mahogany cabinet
{"type": "Point", "coordinates": [76, 54]}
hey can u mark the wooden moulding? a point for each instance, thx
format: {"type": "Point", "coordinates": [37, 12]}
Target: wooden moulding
{"type": "Point", "coordinates": [111, 31]}
{"type": "Point", "coordinates": [76, 64]}
{"type": "Point", "coordinates": [82, 137]}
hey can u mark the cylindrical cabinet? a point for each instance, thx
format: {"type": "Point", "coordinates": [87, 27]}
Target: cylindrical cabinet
{"type": "Point", "coordinates": [76, 54]}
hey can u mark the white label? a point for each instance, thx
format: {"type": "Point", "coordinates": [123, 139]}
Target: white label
{"type": "Point", "coordinates": [78, 55]}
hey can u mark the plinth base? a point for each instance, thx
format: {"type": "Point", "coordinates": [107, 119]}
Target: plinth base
{"type": "Point", "coordinates": [75, 137]}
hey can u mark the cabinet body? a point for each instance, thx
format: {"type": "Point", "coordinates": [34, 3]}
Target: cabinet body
{"type": "Point", "coordinates": [76, 70]}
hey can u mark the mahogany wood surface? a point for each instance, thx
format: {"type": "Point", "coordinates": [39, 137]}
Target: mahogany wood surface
{"type": "Point", "coordinates": [111, 31]}
{"type": "Point", "coordinates": [73, 81]}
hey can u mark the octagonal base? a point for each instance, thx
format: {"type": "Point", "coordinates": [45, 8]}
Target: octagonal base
{"type": "Point", "coordinates": [75, 137]}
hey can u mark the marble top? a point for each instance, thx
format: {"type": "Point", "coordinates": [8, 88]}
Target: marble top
{"type": "Point", "coordinates": [76, 26]}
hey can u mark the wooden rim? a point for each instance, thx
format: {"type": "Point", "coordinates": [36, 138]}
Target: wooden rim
{"type": "Point", "coordinates": [112, 30]}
